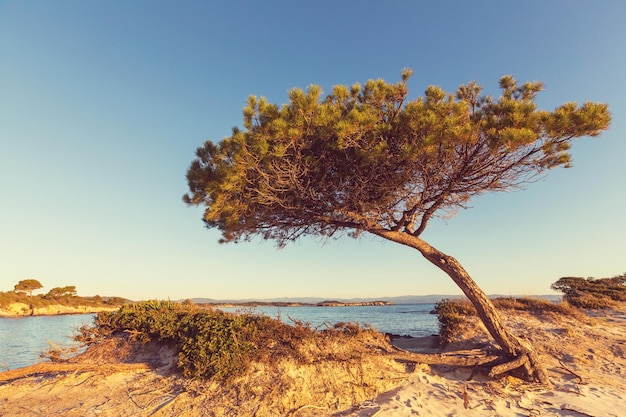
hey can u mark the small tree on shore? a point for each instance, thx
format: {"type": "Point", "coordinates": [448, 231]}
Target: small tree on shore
{"type": "Point", "coordinates": [591, 292]}
{"type": "Point", "coordinates": [364, 159]}
{"type": "Point", "coordinates": [58, 292]}
{"type": "Point", "coordinates": [28, 285]}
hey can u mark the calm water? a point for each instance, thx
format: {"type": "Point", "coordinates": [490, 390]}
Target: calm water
{"type": "Point", "coordinates": [404, 319]}
{"type": "Point", "coordinates": [23, 339]}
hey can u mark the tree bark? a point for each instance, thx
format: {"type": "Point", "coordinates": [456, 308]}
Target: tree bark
{"type": "Point", "coordinates": [446, 359]}
{"type": "Point", "coordinates": [520, 353]}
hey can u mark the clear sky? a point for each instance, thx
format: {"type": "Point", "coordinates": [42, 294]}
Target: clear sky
{"type": "Point", "coordinates": [102, 105]}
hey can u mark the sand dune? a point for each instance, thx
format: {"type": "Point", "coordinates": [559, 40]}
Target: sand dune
{"type": "Point", "coordinates": [586, 361]}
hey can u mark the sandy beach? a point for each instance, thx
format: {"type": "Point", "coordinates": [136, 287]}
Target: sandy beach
{"type": "Point", "coordinates": [586, 361]}
{"type": "Point", "coordinates": [587, 365]}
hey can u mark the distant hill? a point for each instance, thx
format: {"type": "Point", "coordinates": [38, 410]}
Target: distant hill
{"type": "Point", "coordinates": [405, 299]}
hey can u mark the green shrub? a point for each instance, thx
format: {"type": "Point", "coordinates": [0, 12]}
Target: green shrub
{"type": "Point", "coordinates": [10, 297]}
{"type": "Point", "coordinates": [591, 301]}
{"type": "Point", "coordinates": [592, 293]}
{"type": "Point", "coordinates": [215, 344]}
{"type": "Point", "coordinates": [452, 315]}
{"type": "Point", "coordinates": [212, 344]}
{"type": "Point", "coordinates": [5, 299]}
{"type": "Point", "coordinates": [115, 301]}
{"type": "Point", "coordinates": [64, 299]}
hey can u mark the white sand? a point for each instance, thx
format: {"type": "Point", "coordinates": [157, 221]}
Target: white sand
{"type": "Point", "coordinates": [425, 394]}
{"type": "Point", "coordinates": [586, 363]}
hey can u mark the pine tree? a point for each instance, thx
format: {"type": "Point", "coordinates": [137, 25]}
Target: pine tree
{"type": "Point", "coordinates": [366, 159]}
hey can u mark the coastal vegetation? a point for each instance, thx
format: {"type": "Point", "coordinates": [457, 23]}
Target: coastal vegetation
{"type": "Point", "coordinates": [240, 363]}
{"type": "Point", "coordinates": [215, 345]}
{"type": "Point", "coordinates": [184, 358]}
{"type": "Point", "coordinates": [28, 285]}
{"type": "Point", "coordinates": [591, 292]}
{"type": "Point", "coordinates": [580, 294]}
{"type": "Point", "coordinates": [21, 300]}
{"type": "Point", "coordinates": [456, 315]}
{"type": "Point", "coordinates": [368, 159]}
{"type": "Point", "coordinates": [211, 344]}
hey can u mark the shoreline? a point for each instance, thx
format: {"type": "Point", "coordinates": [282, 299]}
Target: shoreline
{"type": "Point", "coordinates": [18, 310]}
{"type": "Point", "coordinates": [585, 357]}
{"type": "Point", "coordinates": [21, 310]}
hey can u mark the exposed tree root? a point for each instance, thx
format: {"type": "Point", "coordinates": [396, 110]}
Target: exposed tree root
{"type": "Point", "coordinates": [59, 368]}
{"type": "Point", "coordinates": [450, 358]}
{"type": "Point", "coordinates": [508, 366]}
{"type": "Point", "coordinates": [499, 364]}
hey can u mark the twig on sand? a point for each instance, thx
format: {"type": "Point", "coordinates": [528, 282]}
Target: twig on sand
{"type": "Point", "coordinates": [133, 400]}
{"type": "Point", "coordinates": [489, 403]}
{"type": "Point", "coordinates": [293, 413]}
{"type": "Point", "coordinates": [30, 411]}
{"type": "Point", "coordinates": [533, 411]}
{"type": "Point", "coordinates": [570, 407]}
{"type": "Point", "coordinates": [581, 381]}
{"type": "Point", "coordinates": [368, 404]}
{"type": "Point", "coordinates": [164, 400]}
{"type": "Point", "coordinates": [465, 397]}
{"type": "Point", "coordinates": [165, 403]}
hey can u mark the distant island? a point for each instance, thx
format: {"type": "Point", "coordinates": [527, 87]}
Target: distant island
{"type": "Point", "coordinates": [293, 304]}
{"type": "Point", "coordinates": [340, 302]}
{"type": "Point", "coordinates": [64, 300]}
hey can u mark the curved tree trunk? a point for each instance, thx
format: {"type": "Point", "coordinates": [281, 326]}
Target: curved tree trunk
{"type": "Point", "coordinates": [521, 354]}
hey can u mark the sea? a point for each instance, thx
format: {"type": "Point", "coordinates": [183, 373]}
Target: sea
{"type": "Point", "coordinates": [22, 340]}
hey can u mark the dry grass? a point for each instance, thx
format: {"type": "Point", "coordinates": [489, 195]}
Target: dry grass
{"type": "Point", "coordinates": [458, 321]}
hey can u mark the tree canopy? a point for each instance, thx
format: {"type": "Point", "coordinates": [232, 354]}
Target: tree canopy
{"type": "Point", "coordinates": [28, 285]}
{"type": "Point", "coordinates": [591, 292]}
{"type": "Point", "coordinates": [56, 292]}
{"type": "Point", "coordinates": [365, 158]}
{"type": "Point", "coordinates": [368, 159]}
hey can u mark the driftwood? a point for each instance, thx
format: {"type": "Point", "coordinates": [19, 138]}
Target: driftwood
{"type": "Point", "coordinates": [60, 368]}
{"type": "Point", "coordinates": [461, 358]}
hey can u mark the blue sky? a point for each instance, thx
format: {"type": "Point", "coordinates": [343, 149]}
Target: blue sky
{"type": "Point", "coordinates": [102, 105]}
